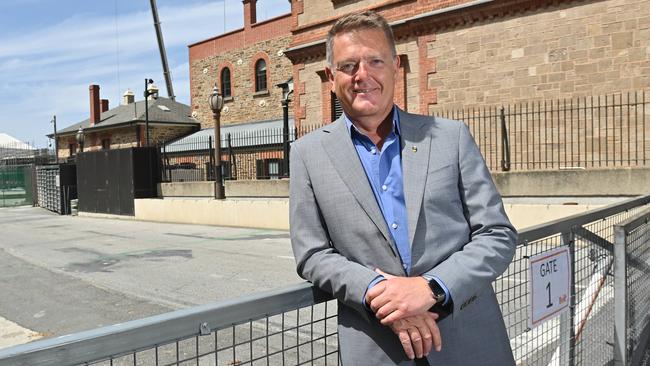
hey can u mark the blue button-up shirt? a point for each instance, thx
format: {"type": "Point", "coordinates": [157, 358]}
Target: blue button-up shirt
{"type": "Point", "coordinates": [384, 172]}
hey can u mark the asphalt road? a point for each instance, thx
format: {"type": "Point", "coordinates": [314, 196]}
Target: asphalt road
{"type": "Point", "coordinates": [62, 274]}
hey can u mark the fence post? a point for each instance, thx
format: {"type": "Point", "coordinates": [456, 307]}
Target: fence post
{"type": "Point", "coordinates": [620, 297]}
{"type": "Point", "coordinates": [233, 161]}
{"type": "Point", "coordinates": [505, 143]}
{"type": "Point", "coordinates": [567, 318]}
{"type": "Point", "coordinates": [211, 154]}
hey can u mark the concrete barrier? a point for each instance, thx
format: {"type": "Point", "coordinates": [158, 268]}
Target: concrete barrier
{"type": "Point", "coordinates": [574, 183]}
{"type": "Point", "coordinates": [241, 188]}
{"type": "Point", "coordinates": [254, 213]}
{"type": "Point", "coordinates": [274, 213]}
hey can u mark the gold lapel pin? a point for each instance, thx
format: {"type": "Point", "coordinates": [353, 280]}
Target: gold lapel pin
{"type": "Point", "coordinates": [414, 148]}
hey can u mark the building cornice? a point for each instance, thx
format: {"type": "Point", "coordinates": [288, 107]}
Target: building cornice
{"type": "Point", "coordinates": [435, 20]}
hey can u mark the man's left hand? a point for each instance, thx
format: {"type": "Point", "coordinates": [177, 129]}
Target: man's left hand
{"type": "Point", "coordinates": [399, 297]}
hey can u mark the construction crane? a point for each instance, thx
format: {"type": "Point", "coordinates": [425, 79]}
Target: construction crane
{"type": "Point", "coordinates": [163, 54]}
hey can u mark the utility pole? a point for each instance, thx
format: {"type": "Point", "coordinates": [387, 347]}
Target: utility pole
{"type": "Point", "coordinates": [56, 140]}
{"type": "Point", "coordinates": [163, 54]}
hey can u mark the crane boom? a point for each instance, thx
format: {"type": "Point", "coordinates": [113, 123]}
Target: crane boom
{"type": "Point", "coordinates": [163, 54]}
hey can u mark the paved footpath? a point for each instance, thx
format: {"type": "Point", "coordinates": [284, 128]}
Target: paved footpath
{"type": "Point", "coordinates": [62, 274]}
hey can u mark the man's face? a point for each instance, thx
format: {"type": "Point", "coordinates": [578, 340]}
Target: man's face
{"type": "Point", "coordinates": [363, 74]}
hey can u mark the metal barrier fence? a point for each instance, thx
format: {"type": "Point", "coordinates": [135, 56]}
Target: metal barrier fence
{"type": "Point", "coordinates": [16, 185]}
{"type": "Point", "coordinates": [586, 132]}
{"type": "Point", "coordinates": [632, 290]}
{"type": "Point", "coordinates": [297, 325]}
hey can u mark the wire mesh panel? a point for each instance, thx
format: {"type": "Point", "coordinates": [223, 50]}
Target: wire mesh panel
{"type": "Point", "coordinates": [587, 330]}
{"type": "Point", "coordinates": [298, 325]}
{"type": "Point", "coordinates": [632, 272]}
{"type": "Point", "coordinates": [530, 346]}
{"type": "Point", "coordinates": [306, 335]}
{"type": "Point", "coordinates": [638, 282]}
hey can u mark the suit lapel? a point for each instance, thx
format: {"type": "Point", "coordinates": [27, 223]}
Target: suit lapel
{"type": "Point", "coordinates": [416, 145]}
{"type": "Point", "coordinates": [338, 145]}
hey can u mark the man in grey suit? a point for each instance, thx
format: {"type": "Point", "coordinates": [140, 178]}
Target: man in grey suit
{"type": "Point", "coordinates": [397, 216]}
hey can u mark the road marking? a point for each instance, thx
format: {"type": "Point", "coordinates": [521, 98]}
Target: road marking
{"type": "Point", "coordinates": [12, 334]}
{"type": "Point", "coordinates": [285, 257]}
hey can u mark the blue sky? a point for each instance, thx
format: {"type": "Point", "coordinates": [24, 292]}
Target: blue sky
{"type": "Point", "coordinates": [51, 51]}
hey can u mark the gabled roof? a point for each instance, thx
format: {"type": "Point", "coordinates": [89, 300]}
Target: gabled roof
{"type": "Point", "coordinates": [161, 110]}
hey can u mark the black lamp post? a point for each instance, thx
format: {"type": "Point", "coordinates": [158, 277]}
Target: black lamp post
{"type": "Point", "coordinates": [287, 90]}
{"type": "Point", "coordinates": [149, 90]}
{"type": "Point", "coordinates": [80, 139]}
{"type": "Point", "coordinates": [216, 105]}
{"type": "Point", "coordinates": [56, 142]}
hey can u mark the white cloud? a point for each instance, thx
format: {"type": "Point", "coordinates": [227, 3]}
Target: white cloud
{"type": "Point", "coordinates": [48, 70]}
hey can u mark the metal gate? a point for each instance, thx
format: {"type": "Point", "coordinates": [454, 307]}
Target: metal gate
{"type": "Point", "coordinates": [56, 186]}
{"type": "Point", "coordinates": [109, 180]}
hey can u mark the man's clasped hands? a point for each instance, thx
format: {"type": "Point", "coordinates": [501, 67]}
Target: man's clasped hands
{"type": "Point", "coordinates": [403, 303]}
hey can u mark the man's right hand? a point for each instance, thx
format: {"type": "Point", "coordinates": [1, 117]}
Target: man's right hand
{"type": "Point", "coordinates": [418, 334]}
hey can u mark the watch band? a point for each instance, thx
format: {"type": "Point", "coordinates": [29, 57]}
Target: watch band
{"type": "Point", "coordinates": [437, 291]}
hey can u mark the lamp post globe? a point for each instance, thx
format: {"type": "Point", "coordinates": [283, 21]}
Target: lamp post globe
{"type": "Point", "coordinates": [80, 139]}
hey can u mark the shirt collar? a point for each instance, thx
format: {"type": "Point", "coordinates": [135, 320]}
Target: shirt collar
{"type": "Point", "coordinates": [351, 128]}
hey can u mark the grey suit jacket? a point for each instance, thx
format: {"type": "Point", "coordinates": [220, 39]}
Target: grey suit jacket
{"type": "Point", "coordinates": [457, 226]}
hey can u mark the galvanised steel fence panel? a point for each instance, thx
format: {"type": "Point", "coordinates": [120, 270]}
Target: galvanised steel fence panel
{"type": "Point", "coordinates": [297, 325]}
{"type": "Point", "coordinates": [292, 326]}
{"type": "Point", "coordinates": [16, 185]}
{"type": "Point", "coordinates": [632, 273]}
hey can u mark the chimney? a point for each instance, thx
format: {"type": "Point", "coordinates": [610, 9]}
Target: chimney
{"type": "Point", "coordinates": [95, 112]}
{"type": "Point", "coordinates": [104, 105]}
{"type": "Point", "coordinates": [128, 97]}
{"type": "Point", "coordinates": [250, 13]}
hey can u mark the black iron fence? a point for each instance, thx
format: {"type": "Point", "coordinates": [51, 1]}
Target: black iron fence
{"type": "Point", "coordinates": [585, 132]}
{"type": "Point", "coordinates": [245, 155]}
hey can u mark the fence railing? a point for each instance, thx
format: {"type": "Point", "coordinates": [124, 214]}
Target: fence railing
{"type": "Point", "coordinates": [297, 325]}
{"type": "Point", "coordinates": [632, 290]}
{"type": "Point", "coordinates": [587, 132]}
{"type": "Point", "coordinates": [245, 155]}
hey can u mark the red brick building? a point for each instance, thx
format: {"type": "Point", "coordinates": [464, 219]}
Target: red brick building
{"type": "Point", "coordinates": [460, 53]}
{"type": "Point", "coordinates": [124, 125]}
{"type": "Point", "coordinates": [457, 55]}
{"type": "Point", "coordinates": [246, 64]}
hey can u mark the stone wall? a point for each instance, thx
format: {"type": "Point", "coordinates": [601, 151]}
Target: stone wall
{"type": "Point", "coordinates": [245, 105]}
{"type": "Point", "coordinates": [123, 137]}
{"type": "Point", "coordinates": [576, 49]}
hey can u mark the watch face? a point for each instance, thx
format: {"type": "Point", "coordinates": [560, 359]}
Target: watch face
{"type": "Point", "coordinates": [438, 293]}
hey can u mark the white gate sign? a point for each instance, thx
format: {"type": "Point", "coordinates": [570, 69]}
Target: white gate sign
{"type": "Point", "coordinates": [549, 278]}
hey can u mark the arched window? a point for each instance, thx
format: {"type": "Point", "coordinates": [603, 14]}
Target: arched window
{"type": "Point", "coordinates": [260, 75]}
{"type": "Point", "coordinates": [226, 90]}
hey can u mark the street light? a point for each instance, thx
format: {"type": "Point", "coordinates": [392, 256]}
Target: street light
{"type": "Point", "coordinates": [216, 104]}
{"type": "Point", "coordinates": [149, 90]}
{"type": "Point", "coordinates": [80, 139]}
{"type": "Point", "coordinates": [287, 90]}
{"type": "Point", "coordinates": [56, 143]}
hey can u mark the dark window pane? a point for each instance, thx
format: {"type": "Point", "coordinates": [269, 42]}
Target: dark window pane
{"type": "Point", "coordinates": [260, 75]}
{"type": "Point", "coordinates": [225, 83]}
